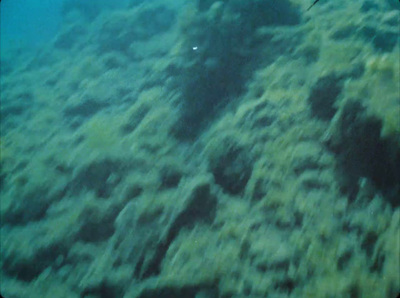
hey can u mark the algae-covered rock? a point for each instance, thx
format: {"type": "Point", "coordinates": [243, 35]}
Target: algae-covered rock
{"type": "Point", "coordinates": [230, 164]}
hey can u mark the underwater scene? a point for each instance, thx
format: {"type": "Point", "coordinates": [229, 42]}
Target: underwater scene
{"type": "Point", "coordinates": [200, 149]}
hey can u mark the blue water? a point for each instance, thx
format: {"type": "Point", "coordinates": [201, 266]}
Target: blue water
{"type": "Point", "coordinates": [29, 22]}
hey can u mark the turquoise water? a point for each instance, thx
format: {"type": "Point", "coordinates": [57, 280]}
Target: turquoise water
{"type": "Point", "coordinates": [29, 22]}
{"type": "Point", "coordinates": [200, 149]}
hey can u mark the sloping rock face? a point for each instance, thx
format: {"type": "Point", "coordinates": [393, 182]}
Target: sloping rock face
{"type": "Point", "coordinates": [204, 149]}
{"type": "Point", "coordinates": [220, 48]}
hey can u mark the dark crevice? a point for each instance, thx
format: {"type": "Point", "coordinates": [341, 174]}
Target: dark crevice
{"type": "Point", "coordinates": [221, 53]}
{"type": "Point", "coordinates": [100, 176]}
{"type": "Point", "coordinates": [210, 291]}
{"type": "Point", "coordinates": [103, 290]}
{"type": "Point", "coordinates": [363, 153]}
{"type": "Point", "coordinates": [323, 96]}
{"type": "Point", "coordinates": [201, 206]}
{"type": "Point", "coordinates": [368, 243]}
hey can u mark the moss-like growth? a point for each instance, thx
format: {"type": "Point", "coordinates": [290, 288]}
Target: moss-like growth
{"type": "Point", "coordinates": [219, 47]}
{"type": "Point", "coordinates": [383, 79]}
{"type": "Point", "coordinates": [230, 164]}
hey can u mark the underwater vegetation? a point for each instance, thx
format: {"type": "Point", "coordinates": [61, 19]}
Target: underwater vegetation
{"type": "Point", "coordinates": [217, 39]}
{"type": "Point", "coordinates": [219, 149]}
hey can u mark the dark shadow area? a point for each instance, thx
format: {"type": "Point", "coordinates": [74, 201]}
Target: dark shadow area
{"type": "Point", "coordinates": [186, 291]}
{"type": "Point", "coordinates": [362, 153]}
{"type": "Point", "coordinates": [104, 290]}
{"type": "Point", "coordinates": [220, 52]}
{"type": "Point", "coordinates": [200, 207]}
{"type": "Point", "coordinates": [323, 96]}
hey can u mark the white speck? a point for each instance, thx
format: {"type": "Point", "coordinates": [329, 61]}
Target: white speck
{"type": "Point", "coordinates": [195, 48]}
